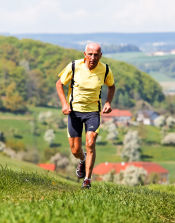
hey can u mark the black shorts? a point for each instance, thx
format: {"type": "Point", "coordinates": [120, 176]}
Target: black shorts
{"type": "Point", "coordinates": [77, 119]}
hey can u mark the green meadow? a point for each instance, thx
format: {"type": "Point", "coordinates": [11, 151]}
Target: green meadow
{"type": "Point", "coordinates": [29, 194]}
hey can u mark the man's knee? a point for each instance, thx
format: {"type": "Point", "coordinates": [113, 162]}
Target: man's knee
{"type": "Point", "coordinates": [76, 150]}
{"type": "Point", "coordinates": [90, 143]}
{"type": "Point", "coordinates": [75, 145]}
{"type": "Point", "coordinates": [91, 139]}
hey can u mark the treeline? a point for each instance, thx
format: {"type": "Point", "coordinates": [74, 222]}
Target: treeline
{"type": "Point", "coordinates": [28, 73]}
{"type": "Point", "coordinates": [122, 48]}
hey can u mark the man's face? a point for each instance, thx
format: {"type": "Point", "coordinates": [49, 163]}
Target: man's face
{"type": "Point", "coordinates": [92, 56]}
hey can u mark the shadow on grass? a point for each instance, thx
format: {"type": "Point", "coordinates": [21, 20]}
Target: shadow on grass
{"type": "Point", "coordinates": [18, 136]}
{"type": "Point", "coordinates": [55, 145]}
{"type": "Point", "coordinates": [145, 157]}
{"type": "Point", "coordinates": [101, 143]}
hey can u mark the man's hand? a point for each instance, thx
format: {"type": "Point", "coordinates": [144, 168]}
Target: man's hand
{"type": "Point", "coordinates": [107, 108]}
{"type": "Point", "coordinates": [66, 109]}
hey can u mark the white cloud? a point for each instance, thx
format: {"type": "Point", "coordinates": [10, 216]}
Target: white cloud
{"type": "Point", "coordinates": [59, 16]}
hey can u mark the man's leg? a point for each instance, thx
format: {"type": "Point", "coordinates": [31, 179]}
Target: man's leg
{"type": "Point", "coordinates": [76, 149]}
{"type": "Point", "coordinates": [91, 152]}
{"type": "Point", "coordinates": [75, 145]}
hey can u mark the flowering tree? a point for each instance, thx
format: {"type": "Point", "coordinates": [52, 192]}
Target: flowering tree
{"type": "Point", "coordinates": [49, 136]}
{"type": "Point", "coordinates": [169, 139]}
{"type": "Point", "coordinates": [132, 144]}
{"type": "Point", "coordinates": [160, 121]}
{"type": "Point", "coordinates": [132, 176]}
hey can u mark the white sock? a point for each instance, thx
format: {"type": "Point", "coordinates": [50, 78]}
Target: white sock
{"type": "Point", "coordinates": [87, 178]}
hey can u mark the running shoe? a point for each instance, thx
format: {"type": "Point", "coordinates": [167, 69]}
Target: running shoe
{"type": "Point", "coordinates": [81, 169]}
{"type": "Point", "coordinates": [86, 184]}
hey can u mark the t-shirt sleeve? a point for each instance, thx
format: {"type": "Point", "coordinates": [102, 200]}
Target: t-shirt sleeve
{"type": "Point", "coordinates": [66, 74]}
{"type": "Point", "coordinates": [109, 79]}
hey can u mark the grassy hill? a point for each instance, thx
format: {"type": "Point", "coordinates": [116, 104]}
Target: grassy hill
{"type": "Point", "coordinates": [33, 196]}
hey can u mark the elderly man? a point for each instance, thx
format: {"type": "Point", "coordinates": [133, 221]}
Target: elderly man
{"type": "Point", "coordinates": [83, 105]}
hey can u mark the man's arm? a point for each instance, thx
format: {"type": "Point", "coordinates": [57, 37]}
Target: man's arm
{"type": "Point", "coordinates": [107, 106]}
{"type": "Point", "coordinates": [65, 106]}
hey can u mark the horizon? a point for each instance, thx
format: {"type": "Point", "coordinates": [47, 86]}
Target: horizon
{"type": "Point", "coordinates": [82, 33]}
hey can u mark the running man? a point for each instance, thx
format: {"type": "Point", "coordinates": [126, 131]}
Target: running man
{"type": "Point", "coordinates": [83, 105]}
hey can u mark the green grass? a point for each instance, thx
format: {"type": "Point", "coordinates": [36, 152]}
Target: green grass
{"type": "Point", "coordinates": [31, 197]}
{"type": "Point", "coordinates": [21, 124]}
{"type": "Point", "coordinates": [29, 194]}
{"type": "Point", "coordinates": [159, 153]}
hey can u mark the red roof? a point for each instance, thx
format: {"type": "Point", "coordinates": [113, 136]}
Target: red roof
{"type": "Point", "coordinates": [118, 113]}
{"type": "Point", "coordinates": [47, 166]}
{"type": "Point", "coordinates": [104, 168]}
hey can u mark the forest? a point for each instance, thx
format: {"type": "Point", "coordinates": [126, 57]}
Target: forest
{"type": "Point", "coordinates": [29, 70]}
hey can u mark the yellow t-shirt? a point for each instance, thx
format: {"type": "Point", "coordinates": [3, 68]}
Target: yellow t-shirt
{"type": "Point", "coordinates": [87, 85]}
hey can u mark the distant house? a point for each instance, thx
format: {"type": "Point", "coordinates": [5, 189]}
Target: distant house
{"type": "Point", "coordinates": [47, 166]}
{"type": "Point", "coordinates": [151, 168]}
{"type": "Point", "coordinates": [147, 117]}
{"type": "Point", "coordinates": [159, 53]}
{"type": "Point", "coordinates": [120, 116]}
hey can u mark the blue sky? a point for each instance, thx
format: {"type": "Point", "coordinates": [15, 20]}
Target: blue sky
{"type": "Point", "coordinates": [75, 16]}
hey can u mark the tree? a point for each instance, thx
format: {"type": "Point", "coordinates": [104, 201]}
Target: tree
{"type": "Point", "coordinates": [61, 162]}
{"type": "Point", "coordinates": [13, 101]}
{"type": "Point", "coordinates": [49, 136]}
{"type": "Point", "coordinates": [169, 139]}
{"type": "Point", "coordinates": [111, 129]}
{"type": "Point", "coordinates": [132, 144]}
{"type": "Point", "coordinates": [132, 176]}
{"type": "Point", "coordinates": [159, 121]}
{"type": "Point", "coordinates": [170, 122]}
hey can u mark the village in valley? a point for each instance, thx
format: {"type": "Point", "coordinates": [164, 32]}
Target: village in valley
{"type": "Point", "coordinates": [132, 170]}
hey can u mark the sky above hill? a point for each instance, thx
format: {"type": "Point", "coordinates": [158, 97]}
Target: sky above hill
{"type": "Point", "coordinates": [75, 16]}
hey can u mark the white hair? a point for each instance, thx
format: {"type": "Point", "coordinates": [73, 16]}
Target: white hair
{"type": "Point", "coordinates": [87, 45]}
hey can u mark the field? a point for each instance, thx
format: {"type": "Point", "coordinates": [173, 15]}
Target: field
{"type": "Point", "coordinates": [154, 65]}
{"type": "Point", "coordinates": [30, 194]}
{"type": "Point", "coordinates": [34, 195]}
{"type": "Point", "coordinates": [107, 151]}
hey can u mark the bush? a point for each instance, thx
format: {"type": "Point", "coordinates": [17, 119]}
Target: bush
{"type": "Point", "coordinates": [169, 139]}
{"type": "Point", "coordinates": [49, 152]}
{"type": "Point", "coordinates": [16, 145]}
{"type": "Point", "coordinates": [2, 137]}
{"type": "Point", "coordinates": [31, 156]}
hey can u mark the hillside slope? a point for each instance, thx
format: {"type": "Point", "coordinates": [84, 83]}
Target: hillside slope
{"type": "Point", "coordinates": [28, 72]}
{"type": "Point", "coordinates": [32, 197]}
